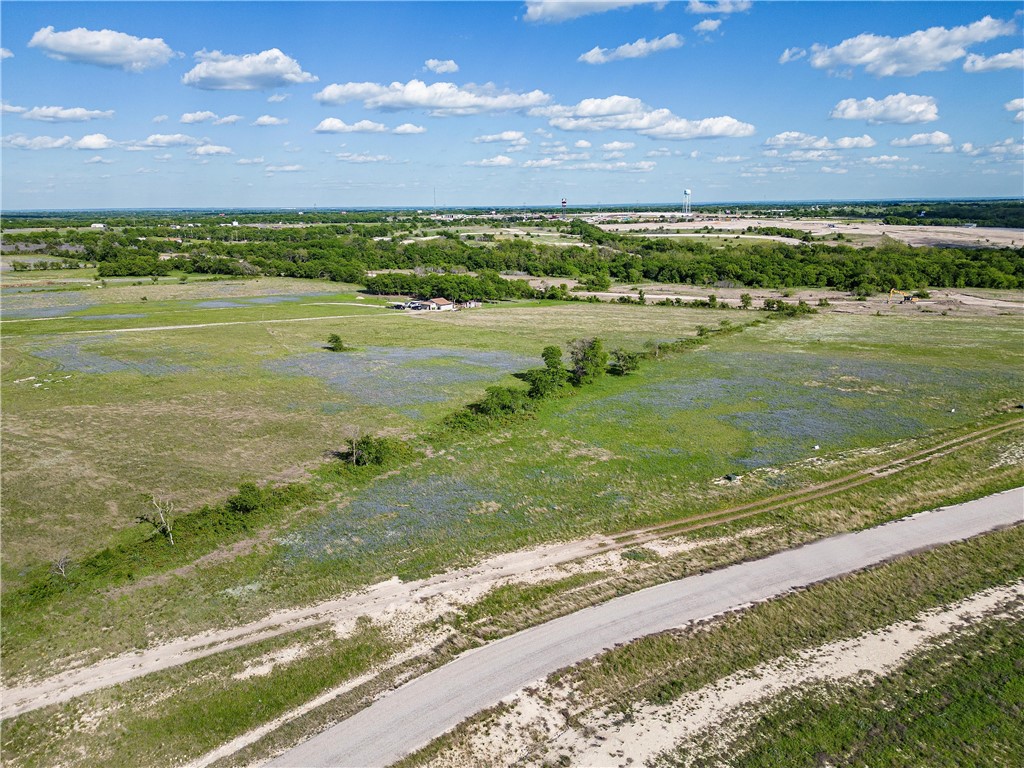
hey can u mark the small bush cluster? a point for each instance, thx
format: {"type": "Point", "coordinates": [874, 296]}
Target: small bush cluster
{"type": "Point", "coordinates": [373, 451]}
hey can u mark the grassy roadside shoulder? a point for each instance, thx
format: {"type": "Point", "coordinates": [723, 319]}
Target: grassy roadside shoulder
{"type": "Point", "coordinates": [183, 712]}
{"type": "Point", "coordinates": [660, 668]}
{"type": "Point", "coordinates": [957, 703]}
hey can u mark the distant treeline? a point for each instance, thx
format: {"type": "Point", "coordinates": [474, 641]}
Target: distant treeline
{"type": "Point", "coordinates": [346, 252]}
{"type": "Point", "coordinates": [984, 213]}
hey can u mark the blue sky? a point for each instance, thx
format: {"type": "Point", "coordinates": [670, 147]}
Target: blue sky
{"type": "Point", "coordinates": [208, 104]}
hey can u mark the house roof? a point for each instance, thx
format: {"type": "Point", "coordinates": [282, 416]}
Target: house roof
{"type": "Point", "coordinates": [440, 301]}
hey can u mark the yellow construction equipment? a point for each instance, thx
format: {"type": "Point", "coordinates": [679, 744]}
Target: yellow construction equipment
{"type": "Point", "coordinates": [906, 297]}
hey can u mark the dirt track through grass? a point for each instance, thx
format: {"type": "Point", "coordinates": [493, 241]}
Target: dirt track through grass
{"type": "Point", "coordinates": [227, 322]}
{"type": "Point", "coordinates": [818, 491]}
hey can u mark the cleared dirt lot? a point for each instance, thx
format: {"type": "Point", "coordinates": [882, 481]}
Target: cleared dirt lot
{"type": "Point", "coordinates": [865, 232]}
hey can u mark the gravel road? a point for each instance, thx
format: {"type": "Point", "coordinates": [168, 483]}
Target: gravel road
{"type": "Point", "coordinates": [411, 716]}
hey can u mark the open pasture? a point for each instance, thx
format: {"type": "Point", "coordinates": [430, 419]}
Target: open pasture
{"type": "Point", "coordinates": [640, 449]}
{"type": "Point", "coordinates": [209, 384]}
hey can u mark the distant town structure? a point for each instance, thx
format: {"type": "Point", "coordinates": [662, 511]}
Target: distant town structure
{"type": "Point", "coordinates": [564, 203]}
{"type": "Point", "coordinates": [687, 193]}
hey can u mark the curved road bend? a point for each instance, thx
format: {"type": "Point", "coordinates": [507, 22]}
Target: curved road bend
{"type": "Point", "coordinates": [411, 716]}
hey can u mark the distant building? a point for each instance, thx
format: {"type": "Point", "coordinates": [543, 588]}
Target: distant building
{"type": "Point", "coordinates": [97, 226]}
{"type": "Point", "coordinates": [440, 304]}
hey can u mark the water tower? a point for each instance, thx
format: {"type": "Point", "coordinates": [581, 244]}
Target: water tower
{"type": "Point", "coordinates": [686, 201]}
{"type": "Point", "coordinates": [564, 203]}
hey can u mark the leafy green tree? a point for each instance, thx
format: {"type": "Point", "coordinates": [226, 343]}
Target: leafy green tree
{"type": "Point", "coordinates": [588, 360]}
{"type": "Point", "coordinates": [549, 379]}
{"type": "Point", "coordinates": [623, 362]}
{"type": "Point", "coordinates": [335, 344]}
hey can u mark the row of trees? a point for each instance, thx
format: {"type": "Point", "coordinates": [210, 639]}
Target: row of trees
{"type": "Point", "coordinates": [588, 360]}
{"type": "Point", "coordinates": [345, 253]}
{"type": "Point", "coordinates": [487, 285]}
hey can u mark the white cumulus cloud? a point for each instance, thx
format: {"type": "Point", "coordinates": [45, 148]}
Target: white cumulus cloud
{"type": "Point", "coordinates": [227, 120]}
{"type": "Point", "coordinates": [284, 169]}
{"type": "Point", "coordinates": [706, 128]}
{"type": "Point", "coordinates": [792, 54]}
{"type": "Point", "coordinates": [582, 144]}
{"type": "Point", "coordinates": [249, 161]}
{"type": "Point", "coordinates": [883, 161]}
{"type": "Point", "coordinates": [265, 120]}
{"type": "Point", "coordinates": [206, 150]}
{"type": "Point", "coordinates": [927, 50]}
{"type": "Point", "coordinates": [104, 48]}
{"type": "Point", "coordinates": [544, 162]}
{"type": "Point", "coordinates": [644, 166]}
{"type": "Point", "coordinates": [898, 108]}
{"type": "Point", "coordinates": [262, 71]}
{"type": "Point", "coordinates": [409, 129]}
{"type": "Point", "coordinates": [440, 67]}
{"type": "Point", "coordinates": [498, 161]}
{"type": "Point", "coordinates": [98, 159]}
{"type": "Point", "coordinates": [804, 155]}
{"type": "Point", "coordinates": [722, 6]}
{"type": "Point", "coordinates": [168, 140]}
{"type": "Point", "coordinates": [806, 141]}
{"type": "Point", "coordinates": [276, 98]}
{"type": "Point", "coordinates": [95, 141]}
{"type": "Point", "coordinates": [21, 141]}
{"type": "Point", "coordinates": [564, 10]}
{"type": "Point", "coordinates": [707, 26]}
{"type": "Point", "coordinates": [512, 137]}
{"type": "Point", "coordinates": [637, 50]}
{"type": "Point", "coordinates": [1016, 105]}
{"type": "Point", "coordinates": [334, 125]}
{"type": "Point", "coordinates": [5, 54]}
{"type": "Point", "coordinates": [65, 114]}
{"type": "Point", "coordinates": [197, 117]}
{"type": "Point", "coordinates": [933, 139]}
{"type": "Point", "coordinates": [617, 146]}
{"type": "Point", "coordinates": [361, 158]}
{"type": "Point", "coordinates": [1012, 60]}
{"type": "Point", "coordinates": [439, 98]}
{"type": "Point", "coordinates": [624, 113]}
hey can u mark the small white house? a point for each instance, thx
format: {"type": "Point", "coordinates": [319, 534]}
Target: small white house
{"type": "Point", "coordinates": [97, 225]}
{"type": "Point", "coordinates": [440, 304]}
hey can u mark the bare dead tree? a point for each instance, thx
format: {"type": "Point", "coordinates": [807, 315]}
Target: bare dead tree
{"type": "Point", "coordinates": [353, 441]}
{"type": "Point", "coordinates": [160, 519]}
{"type": "Point", "coordinates": [61, 566]}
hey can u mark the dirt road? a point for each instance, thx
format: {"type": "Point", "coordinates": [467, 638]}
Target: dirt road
{"type": "Point", "coordinates": [411, 716]}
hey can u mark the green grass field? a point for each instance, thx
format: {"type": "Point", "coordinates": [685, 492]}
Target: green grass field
{"type": "Point", "coordinates": [94, 422]}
